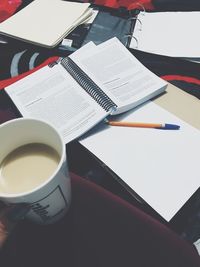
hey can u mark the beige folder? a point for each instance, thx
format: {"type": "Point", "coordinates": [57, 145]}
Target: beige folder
{"type": "Point", "coordinates": [182, 104]}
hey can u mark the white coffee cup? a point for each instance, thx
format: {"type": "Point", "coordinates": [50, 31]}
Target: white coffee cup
{"type": "Point", "coordinates": [49, 200]}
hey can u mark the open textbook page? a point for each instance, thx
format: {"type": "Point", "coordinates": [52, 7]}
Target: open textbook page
{"type": "Point", "coordinates": [120, 75]}
{"type": "Point", "coordinates": [51, 94]}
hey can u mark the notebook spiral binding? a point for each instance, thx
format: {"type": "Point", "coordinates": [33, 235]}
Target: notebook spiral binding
{"type": "Point", "coordinates": [87, 84]}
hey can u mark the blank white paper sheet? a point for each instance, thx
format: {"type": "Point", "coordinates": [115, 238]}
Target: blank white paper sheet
{"type": "Point", "coordinates": [161, 166]}
{"type": "Point", "coordinates": [168, 33]}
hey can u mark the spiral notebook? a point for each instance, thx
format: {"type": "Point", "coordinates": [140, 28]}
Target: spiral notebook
{"type": "Point", "coordinates": [84, 88]}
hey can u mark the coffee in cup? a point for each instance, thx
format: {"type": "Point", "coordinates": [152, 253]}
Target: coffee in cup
{"type": "Point", "coordinates": [33, 169]}
{"type": "Point", "coordinates": [27, 167]}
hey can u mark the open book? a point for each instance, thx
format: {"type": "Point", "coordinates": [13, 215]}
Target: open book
{"type": "Point", "coordinates": [45, 22]}
{"type": "Point", "coordinates": [84, 88]}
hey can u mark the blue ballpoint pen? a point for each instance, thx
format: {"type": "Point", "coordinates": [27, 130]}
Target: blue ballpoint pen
{"type": "Point", "coordinates": [164, 126]}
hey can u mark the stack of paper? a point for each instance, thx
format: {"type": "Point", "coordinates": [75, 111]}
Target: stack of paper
{"type": "Point", "coordinates": [46, 22]}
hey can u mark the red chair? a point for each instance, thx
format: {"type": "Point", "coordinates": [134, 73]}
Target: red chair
{"type": "Point", "coordinates": [100, 230]}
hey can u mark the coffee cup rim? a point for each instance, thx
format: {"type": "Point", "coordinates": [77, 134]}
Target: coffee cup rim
{"type": "Point", "coordinates": [62, 157]}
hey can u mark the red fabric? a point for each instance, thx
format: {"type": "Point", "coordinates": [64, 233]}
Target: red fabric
{"type": "Point", "coordinates": [99, 230]}
{"type": "Point", "coordinates": [9, 81]}
{"type": "Point", "coordinates": [181, 78]}
{"type": "Point", "coordinates": [116, 233]}
{"type": "Point", "coordinates": [8, 8]}
{"type": "Point", "coordinates": [129, 4]}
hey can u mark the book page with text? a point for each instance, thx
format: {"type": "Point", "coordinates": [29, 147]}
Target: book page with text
{"type": "Point", "coordinates": [120, 75]}
{"type": "Point", "coordinates": [51, 94]}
